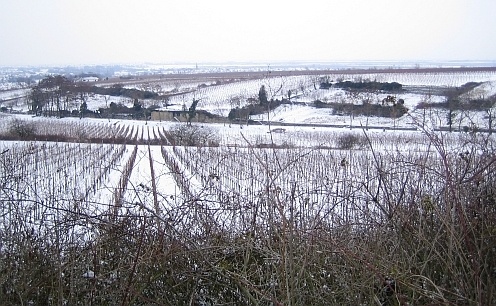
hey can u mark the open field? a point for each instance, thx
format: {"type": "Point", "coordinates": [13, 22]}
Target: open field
{"type": "Point", "coordinates": [135, 212]}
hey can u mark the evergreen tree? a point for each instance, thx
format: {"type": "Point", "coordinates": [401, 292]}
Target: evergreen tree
{"type": "Point", "coordinates": [192, 110]}
{"type": "Point", "coordinates": [83, 109]}
{"type": "Point", "coordinates": [262, 95]}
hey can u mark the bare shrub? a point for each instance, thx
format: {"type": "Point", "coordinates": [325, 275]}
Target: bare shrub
{"type": "Point", "coordinates": [193, 135]}
{"type": "Point", "coordinates": [22, 129]}
{"type": "Point", "coordinates": [349, 141]}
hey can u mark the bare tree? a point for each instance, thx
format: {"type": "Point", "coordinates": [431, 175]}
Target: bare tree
{"type": "Point", "coordinates": [452, 101]}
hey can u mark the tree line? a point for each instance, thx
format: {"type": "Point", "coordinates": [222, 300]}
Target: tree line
{"type": "Point", "coordinates": [362, 85]}
{"type": "Point", "coordinates": [56, 95]}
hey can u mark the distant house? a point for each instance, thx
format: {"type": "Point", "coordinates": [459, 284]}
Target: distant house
{"type": "Point", "coordinates": [89, 79]}
{"type": "Point", "coordinates": [279, 130]}
{"type": "Point", "coordinates": [183, 116]}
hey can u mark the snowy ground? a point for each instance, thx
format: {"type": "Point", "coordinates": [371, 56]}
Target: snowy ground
{"type": "Point", "coordinates": [219, 95]}
{"type": "Point", "coordinates": [170, 182]}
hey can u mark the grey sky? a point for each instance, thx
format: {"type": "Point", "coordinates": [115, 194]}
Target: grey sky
{"type": "Point", "coordinates": [60, 32]}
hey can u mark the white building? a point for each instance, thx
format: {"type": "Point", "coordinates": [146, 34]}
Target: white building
{"type": "Point", "coordinates": [89, 79]}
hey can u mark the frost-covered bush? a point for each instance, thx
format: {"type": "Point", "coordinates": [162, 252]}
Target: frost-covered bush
{"type": "Point", "coordinates": [193, 135]}
{"type": "Point", "coordinates": [22, 129]}
{"type": "Point", "coordinates": [348, 141]}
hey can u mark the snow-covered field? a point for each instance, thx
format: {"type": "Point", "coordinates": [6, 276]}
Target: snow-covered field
{"type": "Point", "coordinates": [218, 95]}
{"type": "Point", "coordinates": [111, 180]}
{"type": "Point", "coordinates": [149, 176]}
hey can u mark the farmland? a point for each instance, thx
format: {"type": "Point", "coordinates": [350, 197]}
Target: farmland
{"type": "Point", "coordinates": [132, 212]}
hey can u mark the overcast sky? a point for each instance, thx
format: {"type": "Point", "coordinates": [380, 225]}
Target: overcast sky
{"type": "Point", "coordinates": [74, 32]}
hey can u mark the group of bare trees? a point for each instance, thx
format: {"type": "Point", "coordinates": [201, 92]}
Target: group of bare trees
{"type": "Point", "coordinates": [461, 108]}
{"type": "Point", "coordinates": [59, 96]}
{"type": "Point", "coordinates": [54, 96]}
